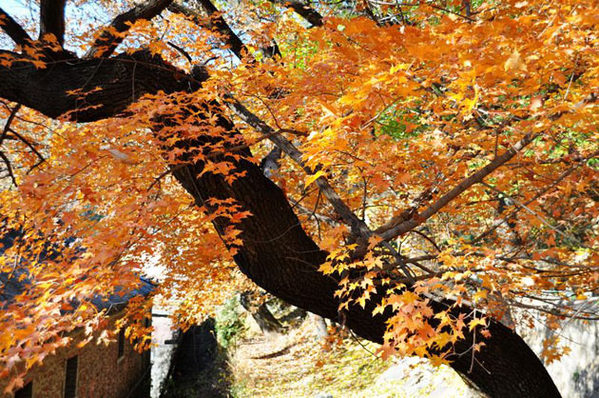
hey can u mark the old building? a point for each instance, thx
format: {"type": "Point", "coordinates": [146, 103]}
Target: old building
{"type": "Point", "coordinates": [94, 371]}
{"type": "Point", "coordinates": [115, 370]}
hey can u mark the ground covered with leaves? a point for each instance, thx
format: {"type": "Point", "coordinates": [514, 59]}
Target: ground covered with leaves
{"type": "Point", "coordinates": [300, 364]}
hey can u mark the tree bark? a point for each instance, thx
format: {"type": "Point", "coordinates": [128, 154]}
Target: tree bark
{"type": "Point", "coordinates": [277, 253]}
{"type": "Point", "coordinates": [52, 19]}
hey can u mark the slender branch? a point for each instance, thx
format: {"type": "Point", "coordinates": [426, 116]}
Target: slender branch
{"type": "Point", "coordinates": [114, 34]}
{"type": "Point", "coordinates": [8, 167]}
{"type": "Point", "coordinates": [559, 179]}
{"type": "Point", "coordinates": [232, 40]}
{"type": "Point", "coordinates": [528, 209]}
{"type": "Point", "coordinates": [52, 19]}
{"type": "Point", "coordinates": [393, 229]}
{"type": "Point", "coordinates": [30, 145]}
{"type": "Point", "coordinates": [13, 29]}
{"type": "Point", "coordinates": [312, 214]}
{"type": "Point", "coordinates": [402, 224]}
{"type": "Point", "coordinates": [304, 10]}
{"type": "Point", "coordinates": [213, 20]}
{"type": "Point", "coordinates": [181, 51]}
{"type": "Point", "coordinates": [11, 117]}
{"type": "Point", "coordinates": [164, 173]}
{"type": "Point", "coordinates": [358, 226]}
{"type": "Point", "coordinates": [428, 238]}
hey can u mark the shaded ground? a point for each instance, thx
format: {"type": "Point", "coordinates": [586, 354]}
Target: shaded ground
{"type": "Point", "coordinates": [199, 366]}
{"type": "Point", "coordinates": [298, 364]}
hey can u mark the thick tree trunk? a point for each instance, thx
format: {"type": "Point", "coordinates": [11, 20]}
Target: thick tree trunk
{"type": "Point", "coordinates": [277, 253]}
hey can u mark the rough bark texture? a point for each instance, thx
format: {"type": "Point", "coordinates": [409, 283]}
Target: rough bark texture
{"type": "Point", "coordinates": [122, 80]}
{"type": "Point", "coordinates": [52, 19]}
{"type": "Point", "coordinates": [277, 253]}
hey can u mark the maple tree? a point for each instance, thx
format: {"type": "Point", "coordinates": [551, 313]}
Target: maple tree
{"type": "Point", "coordinates": [420, 172]}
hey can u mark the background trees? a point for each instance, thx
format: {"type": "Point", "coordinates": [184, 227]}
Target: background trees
{"type": "Point", "coordinates": [430, 167]}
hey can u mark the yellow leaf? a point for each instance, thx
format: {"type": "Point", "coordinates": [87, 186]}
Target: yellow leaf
{"type": "Point", "coordinates": [476, 322]}
{"type": "Point", "coordinates": [314, 177]}
{"type": "Point", "coordinates": [442, 339]}
{"type": "Point", "coordinates": [479, 295]}
{"type": "Point", "coordinates": [378, 309]}
{"type": "Point", "coordinates": [514, 62]}
{"type": "Point", "coordinates": [362, 301]}
{"type": "Point", "coordinates": [437, 360]}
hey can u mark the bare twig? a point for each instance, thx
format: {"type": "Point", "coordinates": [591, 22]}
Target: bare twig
{"type": "Point", "coordinates": [11, 117]}
{"type": "Point", "coordinates": [425, 236]}
{"type": "Point", "coordinates": [30, 145]}
{"type": "Point", "coordinates": [181, 51]}
{"type": "Point", "coordinates": [561, 177]}
{"type": "Point", "coordinates": [108, 41]}
{"type": "Point", "coordinates": [165, 173]}
{"type": "Point", "coordinates": [8, 168]}
{"type": "Point", "coordinates": [528, 209]}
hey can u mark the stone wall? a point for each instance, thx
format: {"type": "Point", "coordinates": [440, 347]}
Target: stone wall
{"type": "Point", "coordinates": [576, 375]}
{"type": "Point", "coordinates": [100, 373]}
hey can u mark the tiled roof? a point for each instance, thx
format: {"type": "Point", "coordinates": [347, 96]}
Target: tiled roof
{"type": "Point", "coordinates": [12, 284]}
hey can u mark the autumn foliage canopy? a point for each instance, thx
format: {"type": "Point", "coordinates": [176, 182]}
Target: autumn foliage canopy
{"type": "Point", "coordinates": [441, 155]}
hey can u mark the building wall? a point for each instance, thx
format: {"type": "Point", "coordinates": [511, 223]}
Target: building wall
{"type": "Point", "coordinates": [100, 373]}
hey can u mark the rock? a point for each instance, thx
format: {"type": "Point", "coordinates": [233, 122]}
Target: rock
{"type": "Point", "coordinates": [416, 377]}
{"type": "Point", "coordinates": [401, 370]}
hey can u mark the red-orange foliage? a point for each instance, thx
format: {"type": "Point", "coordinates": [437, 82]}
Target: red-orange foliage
{"type": "Point", "coordinates": [454, 152]}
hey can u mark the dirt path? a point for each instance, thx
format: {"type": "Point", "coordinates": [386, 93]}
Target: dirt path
{"type": "Point", "coordinates": [300, 365]}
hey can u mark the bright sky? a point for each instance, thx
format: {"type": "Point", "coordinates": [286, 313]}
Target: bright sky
{"type": "Point", "coordinates": [16, 8]}
{"type": "Point", "coordinates": [26, 12]}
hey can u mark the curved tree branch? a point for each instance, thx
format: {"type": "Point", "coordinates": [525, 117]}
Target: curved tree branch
{"type": "Point", "coordinates": [13, 29]}
{"type": "Point", "coordinates": [71, 88]}
{"type": "Point", "coordinates": [114, 34]}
